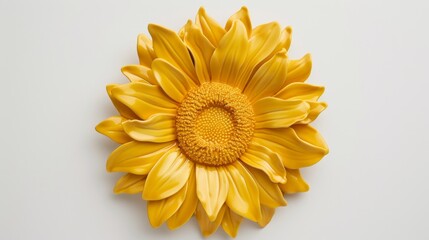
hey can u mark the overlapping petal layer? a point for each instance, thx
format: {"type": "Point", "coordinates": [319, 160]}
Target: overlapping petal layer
{"type": "Point", "coordinates": [143, 100]}
{"type": "Point", "coordinates": [212, 189]}
{"type": "Point", "coordinates": [112, 127]}
{"type": "Point", "coordinates": [167, 176]}
{"type": "Point", "coordinates": [137, 157]}
{"type": "Point", "coordinates": [298, 146]}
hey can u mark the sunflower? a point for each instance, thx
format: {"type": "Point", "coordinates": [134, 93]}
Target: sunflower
{"type": "Point", "coordinates": [214, 122]}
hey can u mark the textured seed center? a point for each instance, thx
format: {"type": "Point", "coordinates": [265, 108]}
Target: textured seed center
{"type": "Point", "coordinates": [214, 124]}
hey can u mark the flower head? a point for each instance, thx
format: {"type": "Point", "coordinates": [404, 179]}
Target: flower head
{"type": "Point", "coordinates": [214, 122]}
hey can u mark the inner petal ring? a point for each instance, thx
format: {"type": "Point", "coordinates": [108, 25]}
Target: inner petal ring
{"type": "Point", "coordinates": [214, 124]}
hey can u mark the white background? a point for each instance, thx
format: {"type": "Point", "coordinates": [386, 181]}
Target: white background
{"type": "Point", "coordinates": [57, 56]}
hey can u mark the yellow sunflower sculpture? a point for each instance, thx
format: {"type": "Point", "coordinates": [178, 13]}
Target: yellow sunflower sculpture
{"type": "Point", "coordinates": [214, 122]}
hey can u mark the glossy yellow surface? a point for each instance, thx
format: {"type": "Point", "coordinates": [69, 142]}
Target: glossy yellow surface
{"type": "Point", "coordinates": [214, 123]}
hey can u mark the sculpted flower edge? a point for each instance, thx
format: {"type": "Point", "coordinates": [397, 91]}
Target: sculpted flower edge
{"type": "Point", "coordinates": [214, 123]}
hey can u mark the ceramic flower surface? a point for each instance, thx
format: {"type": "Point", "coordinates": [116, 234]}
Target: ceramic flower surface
{"type": "Point", "coordinates": [214, 123]}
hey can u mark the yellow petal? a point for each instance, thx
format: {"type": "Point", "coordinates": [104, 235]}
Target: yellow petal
{"type": "Point", "coordinates": [269, 78]}
{"type": "Point", "coordinates": [243, 16]}
{"type": "Point", "coordinates": [211, 29]}
{"type": "Point", "coordinates": [262, 43]}
{"type": "Point", "coordinates": [295, 183]}
{"type": "Point", "coordinates": [137, 157]}
{"type": "Point", "coordinates": [201, 49]}
{"type": "Point", "coordinates": [310, 135]}
{"type": "Point", "coordinates": [308, 93]}
{"type": "Point", "coordinates": [264, 39]}
{"type": "Point", "coordinates": [286, 38]}
{"type": "Point", "coordinates": [157, 128]}
{"type": "Point", "coordinates": [230, 56]}
{"type": "Point", "coordinates": [208, 227]}
{"type": "Point", "coordinates": [160, 211]}
{"type": "Point", "coordinates": [269, 192]}
{"type": "Point", "coordinates": [315, 109]}
{"type": "Point", "coordinates": [145, 50]}
{"type": "Point", "coordinates": [284, 43]}
{"type": "Point", "coordinates": [264, 159]}
{"type": "Point", "coordinates": [301, 91]}
{"type": "Point", "coordinates": [299, 70]}
{"type": "Point", "coordinates": [273, 112]}
{"type": "Point", "coordinates": [130, 183]}
{"type": "Point", "coordinates": [173, 81]}
{"type": "Point", "coordinates": [168, 176]}
{"type": "Point", "coordinates": [231, 222]}
{"type": "Point", "coordinates": [298, 146]}
{"type": "Point", "coordinates": [169, 46]}
{"type": "Point", "coordinates": [182, 32]}
{"type": "Point", "coordinates": [125, 111]}
{"type": "Point", "coordinates": [144, 99]}
{"type": "Point", "coordinates": [267, 215]}
{"type": "Point", "coordinates": [243, 194]}
{"type": "Point", "coordinates": [112, 127]}
{"type": "Point", "coordinates": [187, 209]}
{"type": "Point", "coordinates": [138, 73]}
{"type": "Point", "coordinates": [212, 189]}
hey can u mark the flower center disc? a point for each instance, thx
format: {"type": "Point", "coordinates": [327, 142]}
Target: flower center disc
{"type": "Point", "coordinates": [214, 124]}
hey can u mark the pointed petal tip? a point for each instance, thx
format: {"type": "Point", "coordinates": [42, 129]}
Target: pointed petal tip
{"type": "Point", "coordinates": [212, 216]}
{"type": "Point", "coordinates": [281, 180]}
{"type": "Point", "coordinates": [282, 53]}
{"type": "Point", "coordinates": [231, 223]}
{"type": "Point", "coordinates": [262, 225]}
{"type": "Point", "coordinates": [324, 104]}
{"type": "Point", "coordinates": [155, 223]}
{"type": "Point", "coordinates": [98, 128]}
{"type": "Point", "coordinates": [326, 151]}
{"type": "Point", "coordinates": [123, 69]}
{"type": "Point", "coordinates": [172, 227]}
{"type": "Point", "coordinates": [152, 27]}
{"type": "Point", "coordinates": [304, 188]}
{"type": "Point", "coordinates": [276, 25]}
{"type": "Point", "coordinates": [245, 10]}
{"type": "Point", "coordinates": [201, 10]}
{"type": "Point", "coordinates": [109, 168]}
{"type": "Point", "coordinates": [255, 216]}
{"type": "Point", "coordinates": [109, 88]}
{"type": "Point", "coordinates": [109, 164]}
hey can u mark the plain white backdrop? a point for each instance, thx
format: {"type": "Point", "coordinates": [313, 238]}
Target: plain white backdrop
{"type": "Point", "coordinates": [57, 56]}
